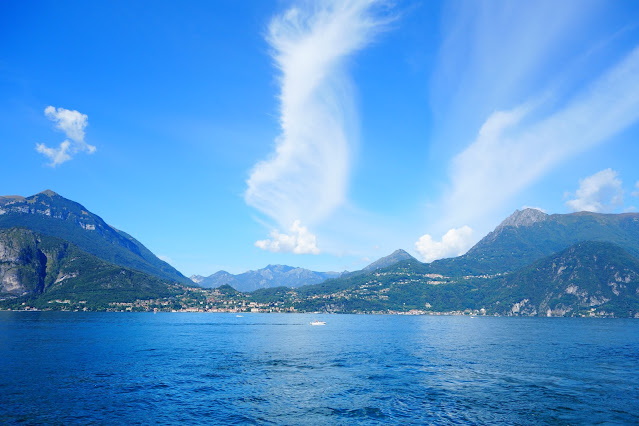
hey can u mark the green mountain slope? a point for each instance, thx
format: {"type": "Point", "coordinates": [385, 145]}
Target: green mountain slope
{"type": "Point", "coordinates": [38, 269]}
{"type": "Point", "coordinates": [587, 279]}
{"type": "Point", "coordinates": [274, 276]}
{"type": "Point", "coordinates": [390, 260]}
{"type": "Point", "coordinates": [50, 214]}
{"type": "Point", "coordinates": [529, 235]}
{"type": "Point", "coordinates": [521, 239]}
{"type": "Point", "coordinates": [589, 276]}
{"type": "Point", "coordinates": [506, 255]}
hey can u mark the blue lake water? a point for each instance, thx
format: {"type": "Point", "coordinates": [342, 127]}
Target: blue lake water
{"type": "Point", "coordinates": [168, 368]}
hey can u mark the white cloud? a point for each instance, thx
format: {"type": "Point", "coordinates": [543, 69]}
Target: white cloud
{"type": "Point", "coordinates": [57, 155]}
{"type": "Point", "coordinates": [298, 241]}
{"type": "Point", "coordinates": [601, 193]}
{"type": "Point", "coordinates": [72, 123]}
{"type": "Point", "coordinates": [494, 53]}
{"type": "Point", "coordinates": [307, 174]}
{"type": "Point", "coordinates": [636, 193]}
{"type": "Point", "coordinates": [455, 242]}
{"type": "Point", "coordinates": [514, 148]}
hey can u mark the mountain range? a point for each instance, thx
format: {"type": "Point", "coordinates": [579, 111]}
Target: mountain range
{"type": "Point", "coordinates": [590, 278]}
{"type": "Point", "coordinates": [270, 276]}
{"type": "Point", "coordinates": [531, 264]}
{"type": "Point", "coordinates": [54, 251]}
{"type": "Point", "coordinates": [288, 276]}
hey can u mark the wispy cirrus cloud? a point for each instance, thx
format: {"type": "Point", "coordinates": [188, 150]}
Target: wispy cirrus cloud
{"type": "Point", "coordinates": [72, 123]}
{"type": "Point", "coordinates": [600, 193]}
{"type": "Point", "coordinates": [514, 148]}
{"type": "Point", "coordinates": [306, 177]}
{"type": "Point", "coordinates": [496, 53]}
{"type": "Point", "coordinates": [495, 56]}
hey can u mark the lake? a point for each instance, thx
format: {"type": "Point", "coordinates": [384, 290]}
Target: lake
{"type": "Point", "coordinates": [167, 368]}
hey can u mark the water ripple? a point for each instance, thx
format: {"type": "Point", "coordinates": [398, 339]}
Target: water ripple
{"type": "Point", "coordinates": [276, 369]}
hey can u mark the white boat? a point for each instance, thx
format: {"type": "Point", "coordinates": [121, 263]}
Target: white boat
{"type": "Point", "coordinates": [316, 322]}
{"type": "Point", "coordinates": [238, 316]}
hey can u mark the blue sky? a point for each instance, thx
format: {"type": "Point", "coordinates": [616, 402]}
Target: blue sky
{"type": "Point", "coordinates": [231, 135]}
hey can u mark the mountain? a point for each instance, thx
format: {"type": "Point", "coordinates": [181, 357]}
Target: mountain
{"type": "Point", "coordinates": [520, 218]}
{"type": "Point", "coordinates": [197, 279]}
{"type": "Point", "coordinates": [271, 276]}
{"type": "Point", "coordinates": [215, 280]}
{"type": "Point", "coordinates": [288, 276]}
{"type": "Point", "coordinates": [491, 276]}
{"type": "Point", "coordinates": [586, 277]}
{"type": "Point", "coordinates": [530, 235]}
{"type": "Point", "coordinates": [50, 214]}
{"type": "Point", "coordinates": [391, 259]}
{"type": "Point", "coordinates": [41, 270]}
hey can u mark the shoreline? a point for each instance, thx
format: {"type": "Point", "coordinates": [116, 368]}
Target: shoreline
{"type": "Point", "coordinates": [429, 314]}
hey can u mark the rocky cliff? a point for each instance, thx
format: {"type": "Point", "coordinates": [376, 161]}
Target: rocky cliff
{"type": "Point", "coordinates": [40, 268]}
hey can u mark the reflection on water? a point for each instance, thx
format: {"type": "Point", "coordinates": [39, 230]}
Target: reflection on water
{"type": "Point", "coordinates": [170, 368]}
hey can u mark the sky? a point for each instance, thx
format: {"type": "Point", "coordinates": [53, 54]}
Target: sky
{"type": "Point", "coordinates": [231, 135]}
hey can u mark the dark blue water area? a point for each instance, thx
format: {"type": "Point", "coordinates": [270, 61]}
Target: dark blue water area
{"type": "Point", "coordinates": [188, 368]}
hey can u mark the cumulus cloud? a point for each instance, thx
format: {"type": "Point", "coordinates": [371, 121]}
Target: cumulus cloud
{"type": "Point", "coordinates": [516, 147]}
{"type": "Point", "coordinates": [298, 241]}
{"type": "Point", "coordinates": [601, 193]}
{"type": "Point", "coordinates": [455, 242]}
{"type": "Point", "coordinates": [72, 123]}
{"type": "Point", "coordinates": [57, 155]}
{"type": "Point", "coordinates": [306, 176]}
{"type": "Point", "coordinates": [636, 193]}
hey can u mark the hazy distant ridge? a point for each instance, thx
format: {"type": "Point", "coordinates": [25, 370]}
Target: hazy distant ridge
{"type": "Point", "coordinates": [270, 276]}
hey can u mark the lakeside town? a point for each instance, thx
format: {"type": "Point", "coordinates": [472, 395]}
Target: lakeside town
{"type": "Point", "coordinates": [227, 300]}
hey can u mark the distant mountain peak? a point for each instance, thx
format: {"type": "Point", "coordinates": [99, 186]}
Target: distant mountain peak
{"type": "Point", "coordinates": [400, 252]}
{"type": "Point", "coordinates": [277, 267]}
{"type": "Point", "coordinates": [48, 193]}
{"type": "Point", "coordinates": [386, 261]}
{"type": "Point", "coordinates": [196, 278]}
{"type": "Point", "coordinates": [525, 217]}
